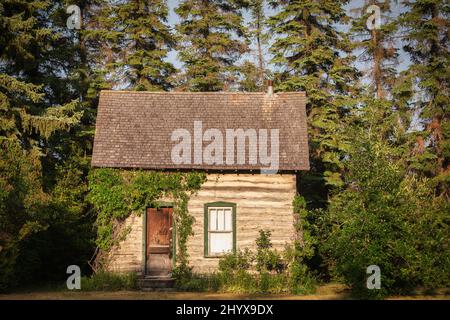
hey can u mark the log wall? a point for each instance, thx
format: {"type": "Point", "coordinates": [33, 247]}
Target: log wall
{"type": "Point", "coordinates": [262, 202]}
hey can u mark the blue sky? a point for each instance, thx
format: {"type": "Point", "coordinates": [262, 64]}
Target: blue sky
{"type": "Point", "coordinates": [174, 19]}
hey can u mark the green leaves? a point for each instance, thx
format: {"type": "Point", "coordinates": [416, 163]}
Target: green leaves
{"type": "Point", "coordinates": [388, 219]}
{"type": "Point", "coordinates": [212, 39]}
{"type": "Point", "coordinates": [116, 194]}
{"type": "Point", "coordinates": [315, 57]}
{"type": "Point", "coordinates": [426, 25]}
{"type": "Point", "coordinates": [129, 44]}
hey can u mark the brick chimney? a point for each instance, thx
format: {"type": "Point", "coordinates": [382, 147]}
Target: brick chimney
{"type": "Point", "coordinates": [270, 87]}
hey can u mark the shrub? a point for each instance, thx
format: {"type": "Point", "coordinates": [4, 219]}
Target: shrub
{"type": "Point", "coordinates": [239, 282]}
{"type": "Point", "coordinates": [387, 220]}
{"type": "Point", "coordinates": [267, 259]}
{"type": "Point", "coordinates": [108, 281]}
{"type": "Point", "coordinates": [231, 262]}
{"type": "Point", "coordinates": [300, 279]}
{"type": "Point", "coordinates": [236, 272]}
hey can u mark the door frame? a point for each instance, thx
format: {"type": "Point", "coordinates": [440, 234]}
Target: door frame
{"type": "Point", "coordinates": [144, 236]}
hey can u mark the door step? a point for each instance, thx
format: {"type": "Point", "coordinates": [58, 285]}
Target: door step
{"type": "Point", "coordinates": [155, 283]}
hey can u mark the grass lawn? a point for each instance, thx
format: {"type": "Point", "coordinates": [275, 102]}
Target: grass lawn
{"type": "Point", "coordinates": [325, 292]}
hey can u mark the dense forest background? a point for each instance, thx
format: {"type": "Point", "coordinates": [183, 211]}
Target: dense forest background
{"type": "Point", "coordinates": [378, 117]}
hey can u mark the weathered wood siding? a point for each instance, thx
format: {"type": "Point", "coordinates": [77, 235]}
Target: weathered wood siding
{"type": "Point", "coordinates": [127, 256]}
{"type": "Point", "coordinates": [262, 202]}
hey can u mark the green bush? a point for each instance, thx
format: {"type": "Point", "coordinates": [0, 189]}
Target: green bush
{"type": "Point", "coordinates": [300, 279]}
{"type": "Point", "coordinates": [385, 219]}
{"type": "Point", "coordinates": [108, 281]}
{"type": "Point", "coordinates": [231, 262]}
{"type": "Point", "coordinates": [267, 259]}
{"type": "Point", "coordinates": [43, 228]}
{"type": "Point", "coordinates": [275, 274]}
{"type": "Point", "coordinates": [243, 281]}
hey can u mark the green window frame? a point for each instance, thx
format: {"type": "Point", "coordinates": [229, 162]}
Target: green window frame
{"type": "Point", "coordinates": [207, 207]}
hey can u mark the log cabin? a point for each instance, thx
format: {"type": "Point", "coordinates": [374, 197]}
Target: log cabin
{"type": "Point", "coordinates": [171, 131]}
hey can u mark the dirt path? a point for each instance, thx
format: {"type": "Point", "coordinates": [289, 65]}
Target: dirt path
{"type": "Point", "coordinates": [326, 292]}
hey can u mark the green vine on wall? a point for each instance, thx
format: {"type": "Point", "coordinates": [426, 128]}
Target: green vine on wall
{"type": "Point", "coordinates": [116, 194]}
{"type": "Point", "coordinates": [305, 242]}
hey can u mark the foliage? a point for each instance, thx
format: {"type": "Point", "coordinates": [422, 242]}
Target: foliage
{"type": "Point", "coordinates": [253, 73]}
{"type": "Point", "coordinates": [212, 38]}
{"type": "Point", "coordinates": [390, 199]}
{"type": "Point", "coordinates": [40, 232]}
{"type": "Point", "coordinates": [383, 218]}
{"type": "Point", "coordinates": [314, 56]}
{"type": "Point", "coordinates": [243, 281]}
{"type": "Point", "coordinates": [267, 259]}
{"type": "Point", "coordinates": [426, 25]}
{"type": "Point", "coordinates": [106, 281]}
{"type": "Point", "coordinates": [237, 272]}
{"type": "Point", "coordinates": [305, 242]}
{"type": "Point", "coordinates": [377, 47]}
{"type": "Point", "coordinates": [116, 194]}
{"type": "Point", "coordinates": [139, 40]}
{"type": "Point", "coordinates": [242, 260]}
{"type": "Point", "coordinates": [304, 248]}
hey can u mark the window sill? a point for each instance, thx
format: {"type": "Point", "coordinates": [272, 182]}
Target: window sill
{"type": "Point", "coordinates": [218, 256]}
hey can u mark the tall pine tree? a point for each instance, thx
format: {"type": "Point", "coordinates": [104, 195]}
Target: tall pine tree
{"type": "Point", "coordinates": [212, 39]}
{"type": "Point", "coordinates": [133, 41]}
{"type": "Point", "coordinates": [254, 71]}
{"type": "Point", "coordinates": [33, 109]}
{"type": "Point", "coordinates": [377, 49]}
{"type": "Point", "coordinates": [314, 56]}
{"type": "Point", "coordinates": [426, 27]}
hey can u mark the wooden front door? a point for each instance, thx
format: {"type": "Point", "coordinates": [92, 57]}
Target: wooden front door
{"type": "Point", "coordinates": [159, 241]}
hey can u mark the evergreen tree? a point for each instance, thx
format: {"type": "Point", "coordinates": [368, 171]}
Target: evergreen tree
{"type": "Point", "coordinates": [137, 40]}
{"type": "Point", "coordinates": [425, 25]}
{"type": "Point", "coordinates": [26, 114]}
{"type": "Point", "coordinates": [38, 101]}
{"type": "Point", "coordinates": [212, 39]}
{"type": "Point", "coordinates": [258, 17]}
{"type": "Point", "coordinates": [316, 57]}
{"type": "Point", "coordinates": [377, 47]}
{"type": "Point", "coordinates": [253, 71]}
{"type": "Point", "coordinates": [379, 113]}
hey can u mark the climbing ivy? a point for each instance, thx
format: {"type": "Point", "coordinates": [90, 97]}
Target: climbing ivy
{"type": "Point", "coordinates": [116, 194]}
{"type": "Point", "coordinates": [305, 242]}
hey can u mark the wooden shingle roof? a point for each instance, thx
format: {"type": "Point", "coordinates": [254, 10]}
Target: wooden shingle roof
{"type": "Point", "coordinates": [134, 128]}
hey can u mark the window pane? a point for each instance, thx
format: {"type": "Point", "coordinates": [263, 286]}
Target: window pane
{"type": "Point", "coordinates": [220, 220]}
{"type": "Point", "coordinates": [220, 242]}
{"type": "Point", "coordinates": [212, 219]}
{"type": "Point", "coordinates": [228, 220]}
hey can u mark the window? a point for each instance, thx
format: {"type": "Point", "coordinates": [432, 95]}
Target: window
{"type": "Point", "coordinates": [220, 228]}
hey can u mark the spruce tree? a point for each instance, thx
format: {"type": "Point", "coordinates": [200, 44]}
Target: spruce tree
{"type": "Point", "coordinates": [36, 103]}
{"type": "Point", "coordinates": [26, 113]}
{"type": "Point", "coordinates": [377, 50]}
{"type": "Point", "coordinates": [253, 71]}
{"type": "Point", "coordinates": [425, 25]}
{"type": "Point", "coordinates": [212, 39]}
{"type": "Point", "coordinates": [137, 41]}
{"type": "Point", "coordinates": [258, 23]}
{"type": "Point", "coordinates": [314, 56]}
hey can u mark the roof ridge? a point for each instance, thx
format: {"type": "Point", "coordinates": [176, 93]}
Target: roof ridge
{"type": "Point", "coordinates": [202, 92]}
